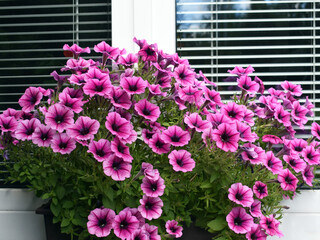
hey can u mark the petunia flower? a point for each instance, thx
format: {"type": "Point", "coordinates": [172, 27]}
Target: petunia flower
{"type": "Point", "coordinates": [117, 125]}
{"type": "Point", "coordinates": [135, 212]}
{"type": "Point", "coordinates": [271, 225]}
{"type": "Point", "coordinates": [282, 116]}
{"type": "Point", "coordinates": [84, 128]}
{"type": "Point", "coordinates": [75, 104]}
{"type": "Point", "coordinates": [195, 121]}
{"type": "Point", "coordinates": [260, 189]}
{"type": "Point", "coordinates": [241, 194]}
{"type": "Point", "coordinates": [153, 188]}
{"type": "Point", "coordinates": [121, 150]}
{"type": "Point", "coordinates": [273, 163]}
{"type": "Point", "coordinates": [62, 143]}
{"type": "Point", "coordinates": [42, 135]}
{"type": "Point", "coordinates": [150, 207]}
{"type": "Point", "coordinates": [100, 221]}
{"type": "Point", "coordinates": [217, 118]}
{"type": "Point", "coordinates": [181, 161]}
{"type": "Point", "coordinates": [147, 110]}
{"type": "Point", "coordinates": [295, 90]}
{"type": "Point", "coordinates": [59, 117]}
{"type": "Point", "coordinates": [287, 180]}
{"type": "Point", "coordinates": [256, 233]}
{"type": "Point", "coordinates": [119, 98]}
{"type": "Point", "coordinates": [124, 224]}
{"type": "Point", "coordinates": [271, 139]}
{"type": "Point", "coordinates": [73, 93]}
{"type": "Point", "coordinates": [101, 149]}
{"type": "Point", "coordinates": [26, 128]}
{"type": "Point", "coordinates": [190, 94]}
{"type": "Point", "coordinates": [311, 155]}
{"type": "Point", "coordinates": [173, 229]}
{"type": "Point", "coordinates": [129, 60]}
{"type": "Point", "coordinates": [253, 153]}
{"type": "Point", "coordinates": [255, 208]}
{"type": "Point", "coordinates": [76, 50]}
{"type": "Point", "coordinates": [117, 168]}
{"type": "Point", "coordinates": [8, 123]}
{"type": "Point", "coordinates": [31, 97]}
{"type": "Point", "coordinates": [245, 83]}
{"type": "Point", "coordinates": [96, 73]}
{"type": "Point", "coordinates": [152, 231]}
{"type": "Point", "coordinates": [139, 234]}
{"type": "Point", "coordinates": [133, 85]}
{"type": "Point", "coordinates": [242, 71]}
{"type": "Point", "coordinates": [297, 164]}
{"type": "Point", "coordinates": [233, 111]}
{"type": "Point", "coordinates": [76, 65]}
{"type": "Point", "coordinates": [107, 50]}
{"type": "Point", "coordinates": [148, 52]}
{"type": "Point", "coordinates": [226, 137]}
{"type": "Point", "coordinates": [176, 136]}
{"type": "Point", "coordinates": [239, 221]}
{"type": "Point", "coordinates": [95, 87]}
{"type": "Point", "coordinates": [184, 75]}
{"type": "Point", "coordinates": [158, 145]}
{"type": "Point", "coordinates": [307, 175]}
{"type": "Point", "coordinates": [245, 133]}
{"type": "Point", "coordinates": [77, 79]}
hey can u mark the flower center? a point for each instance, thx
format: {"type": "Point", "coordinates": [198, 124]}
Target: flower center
{"type": "Point", "coordinates": [238, 221]}
{"type": "Point", "coordinates": [84, 131]}
{"type": "Point", "coordinates": [175, 138]}
{"type": "Point", "coordinates": [225, 137]}
{"type": "Point", "coordinates": [180, 162]}
{"type": "Point", "coordinates": [100, 153]}
{"type": "Point", "coordinates": [58, 119]}
{"type": "Point", "coordinates": [115, 127]}
{"type": "Point", "coordinates": [239, 196]}
{"type": "Point", "coordinates": [98, 88]}
{"type": "Point", "coordinates": [133, 88]}
{"type": "Point", "coordinates": [146, 112]}
{"type": "Point", "coordinates": [102, 223]}
{"type": "Point", "coordinates": [148, 206]}
{"type": "Point", "coordinates": [116, 165]}
{"type": "Point", "coordinates": [159, 144]}
{"type": "Point", "coordinates": [63, 145]}
{"type": "Point", "coordinates": [124, 224]}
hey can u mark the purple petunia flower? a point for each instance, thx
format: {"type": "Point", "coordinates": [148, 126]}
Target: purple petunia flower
{"type": "Point", "coordinates": [139, 234]}
{"type": "Point", "coordinates": [282, 116]}
{"type": "Point", "coordinates": [121, 150]}
{"type": "Point", "coordinates": [287, 180]}
{"type": "Point", "coordinates": [8, 123]}
{"type": "Point", "coordinates": [118, 126]}
{"type": "Point", "coordinates": [271, 139]}
{"type": "Point", "coordinates": [158, 145]}
{"type": "Point", "coordinates": [241, 194]}
{"type": "Point", "coordinates": [148, 52]}
{"type": "Point", "coordinates": [76, 65]}
{"type": "Point", "coordinates": [42, 136]}
{"type": "Point", "coordinates": [256, 233]}
{"type": "Point", "coordinates": [239, 221]}
{"type": "Point", "coordinates": [117, 168]}
{"type": "Point", "coordinates": [184, 75]}
{"type": "Point", "coordinates": [84, 128]}
{"type": "Point", "coordinates": [173, 229]}
{"type": "Point", "coordinates": [260, 189]}
{"type": "Point", "coordinates": [271, 225]}
{"type": "Point", "coordinates": [129, 60]}
{"type": "Point", "coordinates": [233, 111]}
{"type": "Point", "coordinates": [95, 87]}
{"type": "Point", "coordinates": [253, 153]}
{"type": "Point", "coordinates": [242, 71]}
{"type": "Point", "coordinates": [273, 163]}
{"type": "Point", "coordinates": [218, 118]}
{"type": "Point", "coordinates": [255, 208]}
{"type": "Point", "coordinates": [152, 231]}
{"type": "Point", "coordinates": [59, 117]}
{"type": "Point", "coordinates": [150, 207]}
{"type": "Point", "coordinates": [181, 161]}
{"type": "Point", "coordinates": [311, 155]}
{"type": "Point", "coordinates": [62, 143]}
{"type": "Point", "coordinates": [195, 121]}
{"type": "Point", "coordinates": [245, 83]}
{"type": "Point", "coordinates": [124, 224]}
{"type": "Point", "coordinates": [107, 50]}
{"type": "Point", "coordinates": [101, 150]}
{"type": "Point", "coordinates": [75, 104]}
{"type": "Point", "coordinates": [307, 175]}
{"type": "Point", "coordinates": [153, 187]}
{"type": "Point", "coordinates": [31, 97]}
{"type": "Point", "coordinates": [133, 85]}
{"type": "Point", "coordinates": [26, 128]}
{"type": "Point", "coordinates": [77, 79]}
{"type": "Point", "coordinates": [100, 221]}
{"type": "Point", "coordinates": [119, 98]}
{"type": "Point", "coordinates": [76, 50]}
{"type": "Point", "coordinates": [190, 94]}
{"type": "Point", "coordinates": [147, 110]}
{"type": "Point", "coordinates": [297, 164]}
{"type": "Point", "coordinates": [226, 137]}
{"type": "Point", "coordinates": [295, 90]}
{"type": "Point", "coordinates": [176, 136]}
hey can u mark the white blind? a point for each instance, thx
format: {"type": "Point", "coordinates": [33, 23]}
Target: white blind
{"type": "Point", "coordinates": [279, 38]}
{"type": "Point", "coordinates": [32, 34]}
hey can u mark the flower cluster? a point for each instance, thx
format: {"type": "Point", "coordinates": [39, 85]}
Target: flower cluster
{"type": "Point", "coordinates": [153, 124]}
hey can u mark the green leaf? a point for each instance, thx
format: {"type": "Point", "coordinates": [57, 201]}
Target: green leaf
{"type": "Point", "coordinates": [217, 224]}
{"type": "Point", "coordinates": [45, 196]}
{"type": "Point", "coordinates": [16, 167]}
{"type": "Point", "coordinates": [65, 222]}
{"type": "Point", "coordinates": [206, 185]}
{"type": "Point", "coordinates": [55, 209]}
{"type": "Point", "coordinates": [67, 204]}
{"type": "Point", "coordinates": [107, 203]}
{"type": "Point", "coordinates": [60, 192]}
{"type": "Point", "coordinates": [55, 201]}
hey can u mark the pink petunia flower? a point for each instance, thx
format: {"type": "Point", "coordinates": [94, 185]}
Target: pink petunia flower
{"type": "Point", "coordinates": [173, 229]}
{"type": "Point", "coordinates": [184, 75]}
{"type": "Point", "coordinates": [253, 153]}
{"type": "Point", "coordinates": [242, 71]}
{"type": "Point", "coordinates": [139, 234]}
{"type": "Point", "coordinates": [245, 132]}
{"type": "Point", "coordinates": [150, 207]}
{"type": "Point", "coordinates": [95, 87]}
{"type": "Point", "coordinates": [26, 128]}
{"type": "Point", "coordinates": [31, 97]}
{"type": "Point", "coordinates": [195, 121]}
{"type": "Point", "coordinates": [96, 73]}
{"type": "Point", "coordinates": [100, 221]}
{"type": "Point", "coordinates": [158, 145]}
{"type": "Point", "coordinates": [76, 50]}
{"type": "Point", "coordinates": [119, 98]}
{"type": "Point", "coordinates": [152, 231]}
{"type": "Point", "coordinates": [59, 117]}
{"type": "Point", "coordinates": [271, 225]}
{"type": "Point", "coordinates": [307, 175]}
{"type": "Point", "coordinates": [42, 135]}
{"type": "Point", "coordinates": [217, 118]}
{"type": "Point", "coordinates": [181, 161]}
{"type": "Point", "coordinates": [77, 79]}
{"type": "Point", "coordinates": [153, 187]}
{"type": "Point", "coordinates": [84, 128]}
{"type": "Point", "coordinates": [107, 50]}
{"type": "Point", "coordinates": [273, 163]}
{"type": "Point", "coordinates": [121, 150]}
{"type": "Point", "coordinates": [241, 194]}
{"type": "Point", "coordinates": [271, 139]}
{"type": "Point", "coordinates": [239, 221]}
{"type": "Point", "coordinates": [226, 137]}
{"type": "Point", "coordinates": [233, 111]}
{"type": "Point", "coordinates": [133, 85]}
{"type": "Point", "coordinates": [311, 155]}
{"type": "Point", "coordinates": [147, 110]}
{"type": "Point", "coordinates": [256, 233]}
{"type": "Point", "coordinates": [149, 52]}
{"type": "Point", "coordinates": [287, 180]}
{"type": "Point", "coordinates": [282, 116]}
{"type": "Point", "coordinates": [117, 168]}
{"type": "Point", "coordinates": [118, 126]}
{"type": "Point", "coordinates": [135, 212]}
{"type": "Point", "coordinates": [62, 143]}
{"type": "Point", "coordinates": [124, 224]}
{"type": "Point", "coordinates": [245, 83]}
{"type": "Point", "coordinates": [297, 164]}
{"type": "Point", "coordinates": [190, 94]}
{"type": "Point", "coordinates": [260, 189]}
{"type": "Point", "coordinates": [101, 150]}
{"type": "Point", "coordinates": [8, 123]}
{"type": "Point", "coordinates": [76, 65]}
{"type": "Point", "coordinates": [295, 90]}
{"type": "Point", "coordinates": [129, 60]}
{"type": "Point", "coordinates": [75, 104]}
{"type": "Point", "coordinates": [255, 208]}
{"type": "Point", "coordinates": [73, 93]}
{"type": "Point", "coordinates": [176, 136]}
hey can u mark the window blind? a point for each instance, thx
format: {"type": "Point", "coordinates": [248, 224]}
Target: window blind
{"type": "Point", "coordinates": [280, 39]}
{"type": "Point", "coordinates": [32, 34]}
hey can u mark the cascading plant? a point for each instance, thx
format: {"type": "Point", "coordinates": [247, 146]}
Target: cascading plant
{"type": "Point", "coordinates": [131, 145]}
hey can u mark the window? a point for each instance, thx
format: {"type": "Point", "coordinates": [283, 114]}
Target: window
{"type": "Point", "coordinates": [32, 35]}
{"type": "Point", "coordinates": [279, 38]}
